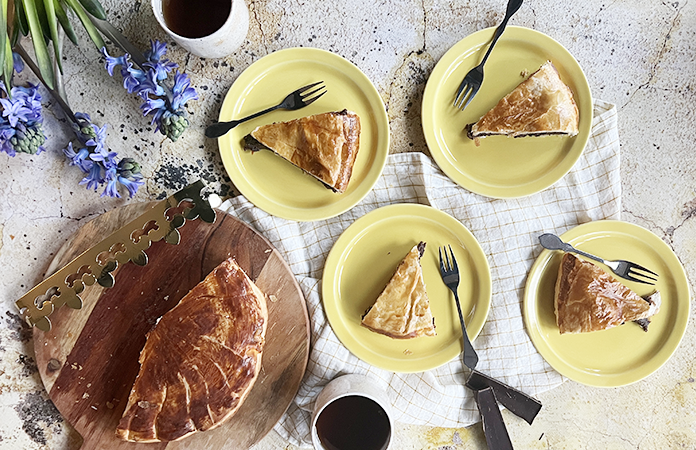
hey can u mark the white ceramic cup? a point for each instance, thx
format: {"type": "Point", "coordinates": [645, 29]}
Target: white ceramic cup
{"type": "Point", "coordinates": [351, 385]}
{"type": "Point", "coordinates": [222, 42]}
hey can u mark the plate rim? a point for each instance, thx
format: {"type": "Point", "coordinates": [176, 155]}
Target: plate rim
{"type": "Point", "coordinates": [675, 336]}
{"type": "Point", "coordinates": [436, 77]}
{"type": "Point", "coordinates": [356, 229]}
{"type": "Point", "coordinates": [226, 148]}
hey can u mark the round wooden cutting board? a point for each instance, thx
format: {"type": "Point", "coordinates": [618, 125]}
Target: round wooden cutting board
{"type": "Point", "coordinates": [88, 361]}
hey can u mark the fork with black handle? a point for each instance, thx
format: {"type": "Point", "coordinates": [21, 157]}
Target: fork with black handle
{"type": "Point", "coordinates": [473, 80]}
{"type": "Point", "coordinates": [295, 100]}
{"type": "Point", "coordinates": [450, 275]}
{"type": "Point", "coordinates": [622, 268]}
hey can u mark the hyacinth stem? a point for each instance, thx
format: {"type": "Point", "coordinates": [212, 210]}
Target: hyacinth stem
{"type": "Point", "coordinates": [124, 44]}
{"type": "Point", "coordinates": [119, 39]}
{"type": "Point", "coordinates": [34, 68]}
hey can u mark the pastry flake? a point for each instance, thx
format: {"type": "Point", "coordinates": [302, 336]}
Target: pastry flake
{"type": "Point", "coordinates": [541, 105]}
{"type": "Point", "coordinates": [402, 310]}
{"type": "Point", "coordinates": [589, 299]}
{"type": "Point", "coordinates": [200, 361]}
{"type": "Point", "coordinates": [323, 145]}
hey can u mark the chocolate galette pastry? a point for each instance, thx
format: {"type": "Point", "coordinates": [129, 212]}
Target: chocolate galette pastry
{"type": "Point", "coordinates": [200, 361]}
{"type": "Point", "coordinates": [323, 145]}
{"type": "Point", "coordinates": [589, 299]}
{"type": "Point", "coordinates": [402, 310]}
{"type": "Point", "coordinates": [541, 105]}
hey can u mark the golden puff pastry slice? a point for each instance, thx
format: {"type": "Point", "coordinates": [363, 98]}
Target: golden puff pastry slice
{"type": "Point", "coordinates": [323, 145]}
{"type": "Point", "coordinates": [541, 105]}
{"type": "Point", "coordinates": [402, 310]}
{"type": "Point", "coordinates": [200, 361]}
{"type": "Point", "coordinates": [589, 299]}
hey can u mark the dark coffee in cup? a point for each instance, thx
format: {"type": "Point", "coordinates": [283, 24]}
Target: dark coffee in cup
{"type": "Point", "coordinates": [353, 423]}
{"type": "Point", "coordinates": [195, 18]}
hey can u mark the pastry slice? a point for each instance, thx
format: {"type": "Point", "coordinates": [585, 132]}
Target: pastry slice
{"type": "Point", "coordinates": [541, 105]}
{"type": "Point", "coordinates": [323, 145]}
{"type": "Point", "coordinates": [589, 299]}
{"type": "Point", "coordinates": [402, 311]}
{"type": "Point", "coordinates": [200, 361]}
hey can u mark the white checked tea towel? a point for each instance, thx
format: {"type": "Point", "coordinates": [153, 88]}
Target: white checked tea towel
{"type": "Point", "coordinates": [507, 231]}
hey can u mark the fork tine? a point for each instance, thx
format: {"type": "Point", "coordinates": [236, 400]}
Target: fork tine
{"type": "Point", "coordinates": [461, 88]}
{"type": "Point", "coordinates": [442, 264]}
{"type": "Point", "coordinates": [448, 261]}
{"type": "Point", "coordinates": [309, 94]}
{"type": "Point", "coordinates": [637, 280]}
{"type": "Point", "coordinates": [648, 277]}
{"type": "Point", "coordinates": [471, 97]}
{"type": "Point", "coordinates": [312, 100]}
{"type": "Point", "coordinates": [460, 99]}
{"type": "Point", "coordinates": [454, 261]}
{"type": "Point", "coordinates": [309, 86]}
{"type": "Point", "coordinates": [639, 267]}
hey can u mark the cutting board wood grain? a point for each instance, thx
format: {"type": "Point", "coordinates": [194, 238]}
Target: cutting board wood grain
{"type": "Point", "coordinates": [88, 361]}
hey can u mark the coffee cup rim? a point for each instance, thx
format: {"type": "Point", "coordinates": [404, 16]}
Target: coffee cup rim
{"type": "Point", "coordinates": [159, 16]}
{"type": "Point", "coordinates": [383, 403]}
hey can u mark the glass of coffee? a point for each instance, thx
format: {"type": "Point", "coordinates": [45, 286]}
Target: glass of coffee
{"type": "Point", "coordinates": [352, 412]}
{"type": "Point", "coordinates": [206, 28]}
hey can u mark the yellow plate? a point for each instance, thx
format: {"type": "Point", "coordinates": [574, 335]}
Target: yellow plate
{"type": "Point", "coordinates": [272, 183]}
{"type": "Point", "coordinates": [365, 257]}
{"type": "Point", "coordinates": [621, 355]}
{"type": "Point", "coordinates": [501, 167]}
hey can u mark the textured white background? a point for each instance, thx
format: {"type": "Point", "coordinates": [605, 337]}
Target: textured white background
{"type": "Point", "coordinates": [637, 55]}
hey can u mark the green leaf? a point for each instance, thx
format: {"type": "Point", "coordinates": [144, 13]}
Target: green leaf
{"type": "Point", "coordinates": [94, 8]}
{"type": "Point", "coordinates": [21, 20]}
{"type": "Point", "coordinates": [40, 49]}
{"type": "Point", "coordinates": [87, 23]}
{"type": "Point", "coordinates": [53, 28]}
{"type": "Point", "coordinates": [3, 34]}
{"type": "Point", "coordinates": [64, 21]}
{"type": "Point", "coordinates": [41, 14]}
{"type": "Point", "coordinates": [8, 68]}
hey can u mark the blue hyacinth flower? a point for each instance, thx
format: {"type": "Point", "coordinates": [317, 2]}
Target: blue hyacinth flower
{"type": "Point", "coordinates": [165, 105]}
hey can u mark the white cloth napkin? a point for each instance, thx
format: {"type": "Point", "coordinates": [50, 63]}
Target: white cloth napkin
{"type": "Point", "coordinates": [506, 229]}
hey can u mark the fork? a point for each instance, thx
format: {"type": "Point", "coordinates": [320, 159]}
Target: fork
{"type": "Point", "coordinates": [624, 269]}
{"type": "Point", "coordinates": [295, 100]}
{"type": "Point", "coordinates": [472, 81]}
{"type": "Point", "coordinates": [450, 275]}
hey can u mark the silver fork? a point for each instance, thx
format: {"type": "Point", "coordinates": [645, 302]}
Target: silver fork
{"type": "Point", "coordinates": [295, 100]}
{"type": "Point", "coordinates": [472, 81]}
{"type": "Point", "coordinates": [450, 275]}
{"type": "Point", "coordinates": [625, 269]}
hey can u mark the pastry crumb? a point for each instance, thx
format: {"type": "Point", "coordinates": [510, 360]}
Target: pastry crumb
{"type": "Point", "coordinates": [524, 73]}
{"type": "Point", "coordinates": [273, 298]}
{"type": "Point", "coordinates": [408, 352]}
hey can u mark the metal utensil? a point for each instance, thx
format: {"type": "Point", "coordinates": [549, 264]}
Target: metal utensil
{"type": "Point", "coordinates": [295, 100]}
{"type": "Point", "coordinates": [128, 243]}
{"type": "Point", "coordinates": [472, 81]}
{"type": "Point", "coordinates": [622, 268]}
{"type": "Point", "coordinates": [450, 275]}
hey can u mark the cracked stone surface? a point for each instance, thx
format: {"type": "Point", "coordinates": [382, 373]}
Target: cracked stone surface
{"type": "Point", "coordinates": [640, 56]}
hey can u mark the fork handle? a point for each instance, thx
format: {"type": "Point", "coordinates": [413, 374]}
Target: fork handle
{"type": "Point", "coordinates": [552, 242]}
{"type": "Point", "coordinates": [570, 248]}
{"type": "Point", "coordinates": [470, 356]}
{"type": "Point", "coordinates": [512, 7]}
{"type": "Point", "coordinates": [221, 128]}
